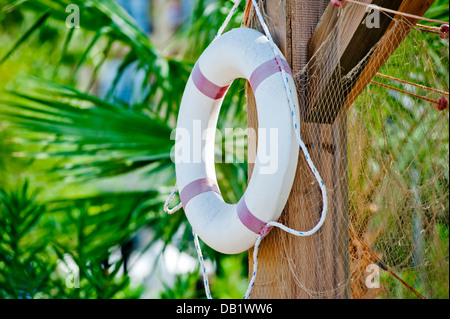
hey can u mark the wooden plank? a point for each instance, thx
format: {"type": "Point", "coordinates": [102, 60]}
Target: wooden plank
{"type": "Point", "coordinates": [335, 27]}
{"type": "Point", "coordinates": [319, 264]}
{"type": "Point", "coordinates": [316, 266]}
{"type": "Point", "coordinates": [269, 263]}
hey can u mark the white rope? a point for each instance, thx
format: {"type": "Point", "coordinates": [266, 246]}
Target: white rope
{"type": "Point", "coordinates": [202, 265]}
{"type": "Point", "coordinates": [296, 125]}
{"type": "Point", "coordinates": [169, 199]}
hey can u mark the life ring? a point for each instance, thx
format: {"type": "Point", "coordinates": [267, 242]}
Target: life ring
{"type": "Point", "coordinates": [233, 228]}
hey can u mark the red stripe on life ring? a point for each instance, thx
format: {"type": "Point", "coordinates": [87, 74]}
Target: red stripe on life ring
{"type": "Point", "coordinates": [207, 87]}
{"type": "Point", "coordinates": [267, 69]}
{"type": "Point", "coordinates": [249, 220]}
{"type": "Point", "coordinates": [196, 188]}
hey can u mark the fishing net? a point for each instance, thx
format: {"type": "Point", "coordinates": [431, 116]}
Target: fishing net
{"type": "Point", "coordinates": [381, 147]}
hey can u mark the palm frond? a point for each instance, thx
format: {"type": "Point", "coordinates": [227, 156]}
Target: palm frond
{"type": "Point", "coordinates": [104, 136]}
{"type": "Point", "coordinates": [85, 136]}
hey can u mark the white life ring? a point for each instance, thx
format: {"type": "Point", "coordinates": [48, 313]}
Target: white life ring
{"type": "Point", "coordinates": [233, 228]}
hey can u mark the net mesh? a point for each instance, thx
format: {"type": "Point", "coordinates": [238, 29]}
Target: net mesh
{"type": "Point", "coordinates": [382, 153]}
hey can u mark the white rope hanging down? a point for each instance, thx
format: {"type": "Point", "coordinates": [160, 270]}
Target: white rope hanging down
{"type": "Point", "coordinates": [296, 126]}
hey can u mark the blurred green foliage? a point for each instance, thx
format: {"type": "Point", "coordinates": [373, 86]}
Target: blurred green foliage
{"type": "Point", "coordinates": [79, 149]}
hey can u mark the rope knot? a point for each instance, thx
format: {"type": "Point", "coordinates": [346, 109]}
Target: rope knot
{"type": "Point", "coordinates": [265, 230]}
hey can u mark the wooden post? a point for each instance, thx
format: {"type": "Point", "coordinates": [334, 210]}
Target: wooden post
{"type": "Point", "coordinates": [319, 266]}
{"type": "Point", "coordinates": [316, 266]}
